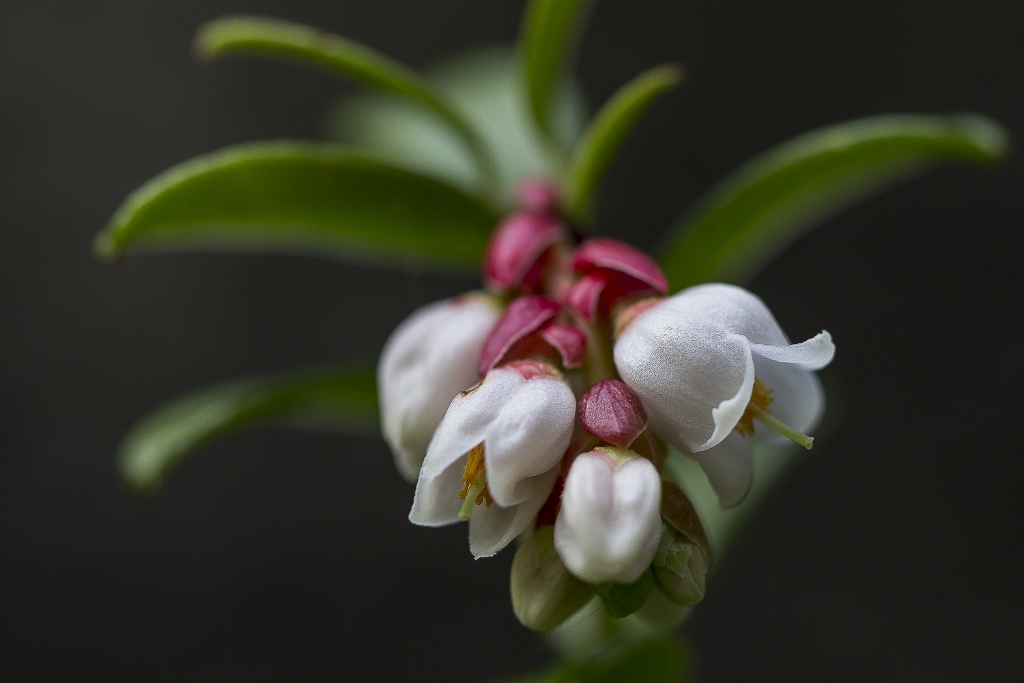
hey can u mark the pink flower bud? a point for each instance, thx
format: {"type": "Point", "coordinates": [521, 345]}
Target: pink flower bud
{"type": "Point", "coordinates": [612, 271]}
{"type": "Point", "coordinates": [612, 413]}
{"type": "Point", "coordinates": [517, 247]}
{"type": "Point", "coordinates": [523, 317]}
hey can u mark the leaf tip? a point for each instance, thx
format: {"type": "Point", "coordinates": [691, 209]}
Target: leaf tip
{"type": "Point", "coordinates": [106, 249]}
{"type": "Point", "coordinates": [991, 138]}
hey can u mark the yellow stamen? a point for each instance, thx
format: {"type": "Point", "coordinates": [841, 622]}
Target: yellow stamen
{"type": "Point", "coordinates": [760, 399]}
{"type": "Point", "coordinates": [474, 482]}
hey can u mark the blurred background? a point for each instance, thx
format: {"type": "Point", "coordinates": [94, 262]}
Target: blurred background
{"type": "Point", "coordinates": [891, 553]}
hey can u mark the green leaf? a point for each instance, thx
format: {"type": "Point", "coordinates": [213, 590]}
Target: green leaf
{"type": "Point", "coordinates": [308, 45]}
{"type": "Point", "coordinates": [345, 400]}
{"type": "Point", "coordinates": [622, 660]}
{"type": "Point", "coordinates": [756, 212]}
{"type": "Point", "coordinates": [486, 88]}
{"type": "Point", "coordinates": [609, 129]}
{"type": "Point", "coordinates": [546, 43]}
{"type": "Point", "coordinates": [293, 196]}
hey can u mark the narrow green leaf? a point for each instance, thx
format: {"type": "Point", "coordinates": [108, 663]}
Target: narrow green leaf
{"type": "Point", "coordinates": [302, 197]}
{"type": "Point", "coordinates": [756, 212]}
{"type": "Point", "coordinates": [486, 87]}
{"type": "Point", "coordinates": [622, 660]}
{"type": "Point", "coordinates": [547, 41]}
{"type": "Point", "coordinates": [308, 45]}
{"type": "Point", "coordinates": [345, 400]}
{"type": "Point", "coordinates": [609, 129]}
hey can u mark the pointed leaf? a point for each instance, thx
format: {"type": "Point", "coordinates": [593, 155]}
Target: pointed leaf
{"type": "Point", "coordinates": [293, 196]}
{"type": "Point", "coordinates": [756, 212]}
{"type": "Point", "coordinates": [345, 400]}
{"type": "Point", "coordinates": [486, 87]}
{"type": "Point", "coordinates": [308, 45]}
{"type": "Point", "coordinates": [546, 43]}
{"type": "Point", "coordinates": [606, 133]}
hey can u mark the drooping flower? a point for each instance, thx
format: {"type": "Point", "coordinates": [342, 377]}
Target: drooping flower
{"type": "Point", "coordinates": [495, 456]}
{"type": "Point", "coordinates": [426, 362]}
{"type": "Point", "coordinates": [707, 363]}
{"type": "Point", "coordinates": [609, 526]}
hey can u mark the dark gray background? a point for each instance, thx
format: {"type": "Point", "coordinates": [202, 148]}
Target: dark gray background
{"type": "Point", "coordinates": [891, 553]}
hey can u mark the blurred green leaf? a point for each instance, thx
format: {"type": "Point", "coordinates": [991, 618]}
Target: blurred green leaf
{"type": "Point", "coordinates": [486, 88]}
{"type": "Point", "coordinates": [276, 38]}
{"type": "Point", "coordinates": [546, 43]}
{"type": "Point", "coordinates": [344, 400]}
{"type": "Point", "coordinates": [609, 129]}
{"type": "Point", "coordinates": [742, 223]}
{"type": "Point", "coordinates": [304, 197]}
{"type": "Point", "coordinates": [623, 660]}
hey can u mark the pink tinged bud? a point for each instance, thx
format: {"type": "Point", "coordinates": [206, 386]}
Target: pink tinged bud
{"type": "Point", "coordinates": [602, 253]}
{"type": "Point", "coordinates": [612, 271]}
{"type": "Point", "coordinates": [609, 526]}
{"type": "Point", "coordinates": [538, 195]}
{"type": "Point", "coordinates": [569, 341]}
{"type": "Point", "coordinates": [532, 369]}
{"type": "Point", "coordinates": [612, 413]}
{"type": "Point", "coordinates": [626, 316]}
{"type": "Point", "coordinates": [523, 317]}
{"type": "Point", "coordinates": [516, 250]}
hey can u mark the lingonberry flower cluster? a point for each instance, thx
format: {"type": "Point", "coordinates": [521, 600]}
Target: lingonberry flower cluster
{"type": "Point", "coordinates": [542, 408]}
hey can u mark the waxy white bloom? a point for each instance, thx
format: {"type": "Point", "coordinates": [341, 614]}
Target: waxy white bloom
{"type": "Point", "coordinates": [431, 357]}
{"type": "Point", "coordinates": [609, 526]}
{"type": "Point", "coordinates": [706, 363]}
{"type": "Point", "coordinates": [496, 454]}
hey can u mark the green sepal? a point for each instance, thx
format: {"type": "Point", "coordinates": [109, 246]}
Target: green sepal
{"type": "Point", "coordinates": [302, 197]}
{"type": "Point", "coordinates": [307, 45]}
{"type": "Point", "coordinates": [622, 599]}
{"type": "Point", "coordinates": [546, 45]}
{"type": "Point", "coordinates": [609, 128]}
{"type": "Point", "coordinates": [343, 400]}
{"type": "Point", "coordinates": [743, 222]}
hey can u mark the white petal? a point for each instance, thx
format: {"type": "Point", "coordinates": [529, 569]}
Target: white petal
{"type": "Point", "coordinates": [528, 437]}
{"type": "Point", "coordinates": [609, 525]}
{"type": "Point", "coordinates": [729, 469]}
{"type": "Point", "coordinates": [734, 308]}
{"type": "Point", "coordinates": [692, 375]}
{"type": "Point", "coordinates": [465, 425]}
{"type": "Point", "coordinates": [426, 362]}
{"type": "Point", "coordinates": [813, 354]}
{"type": "Point", "coordinates": [436, 502]}
{"type": "Point", "coordinates": [493, 528]}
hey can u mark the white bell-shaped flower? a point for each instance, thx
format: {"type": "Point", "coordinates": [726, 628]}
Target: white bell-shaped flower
{"type": "Point", "coordinates": [609, 525]}
{"type": "Point", "coordinates": [496, 454]}
{"type": "Point", "coordinates": [432, 356]}
{"type": "Point", "coordinates": [706, 363]}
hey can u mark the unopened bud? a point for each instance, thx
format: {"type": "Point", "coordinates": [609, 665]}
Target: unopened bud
{"type": "Point", "coordinates": [612, 413]}
{"type": "Point", "coordinates": [544, 593]}
{"type": "Point", "coordinates": [680, 568]}
{"type": "Point", "coordinates": [622, 599]}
